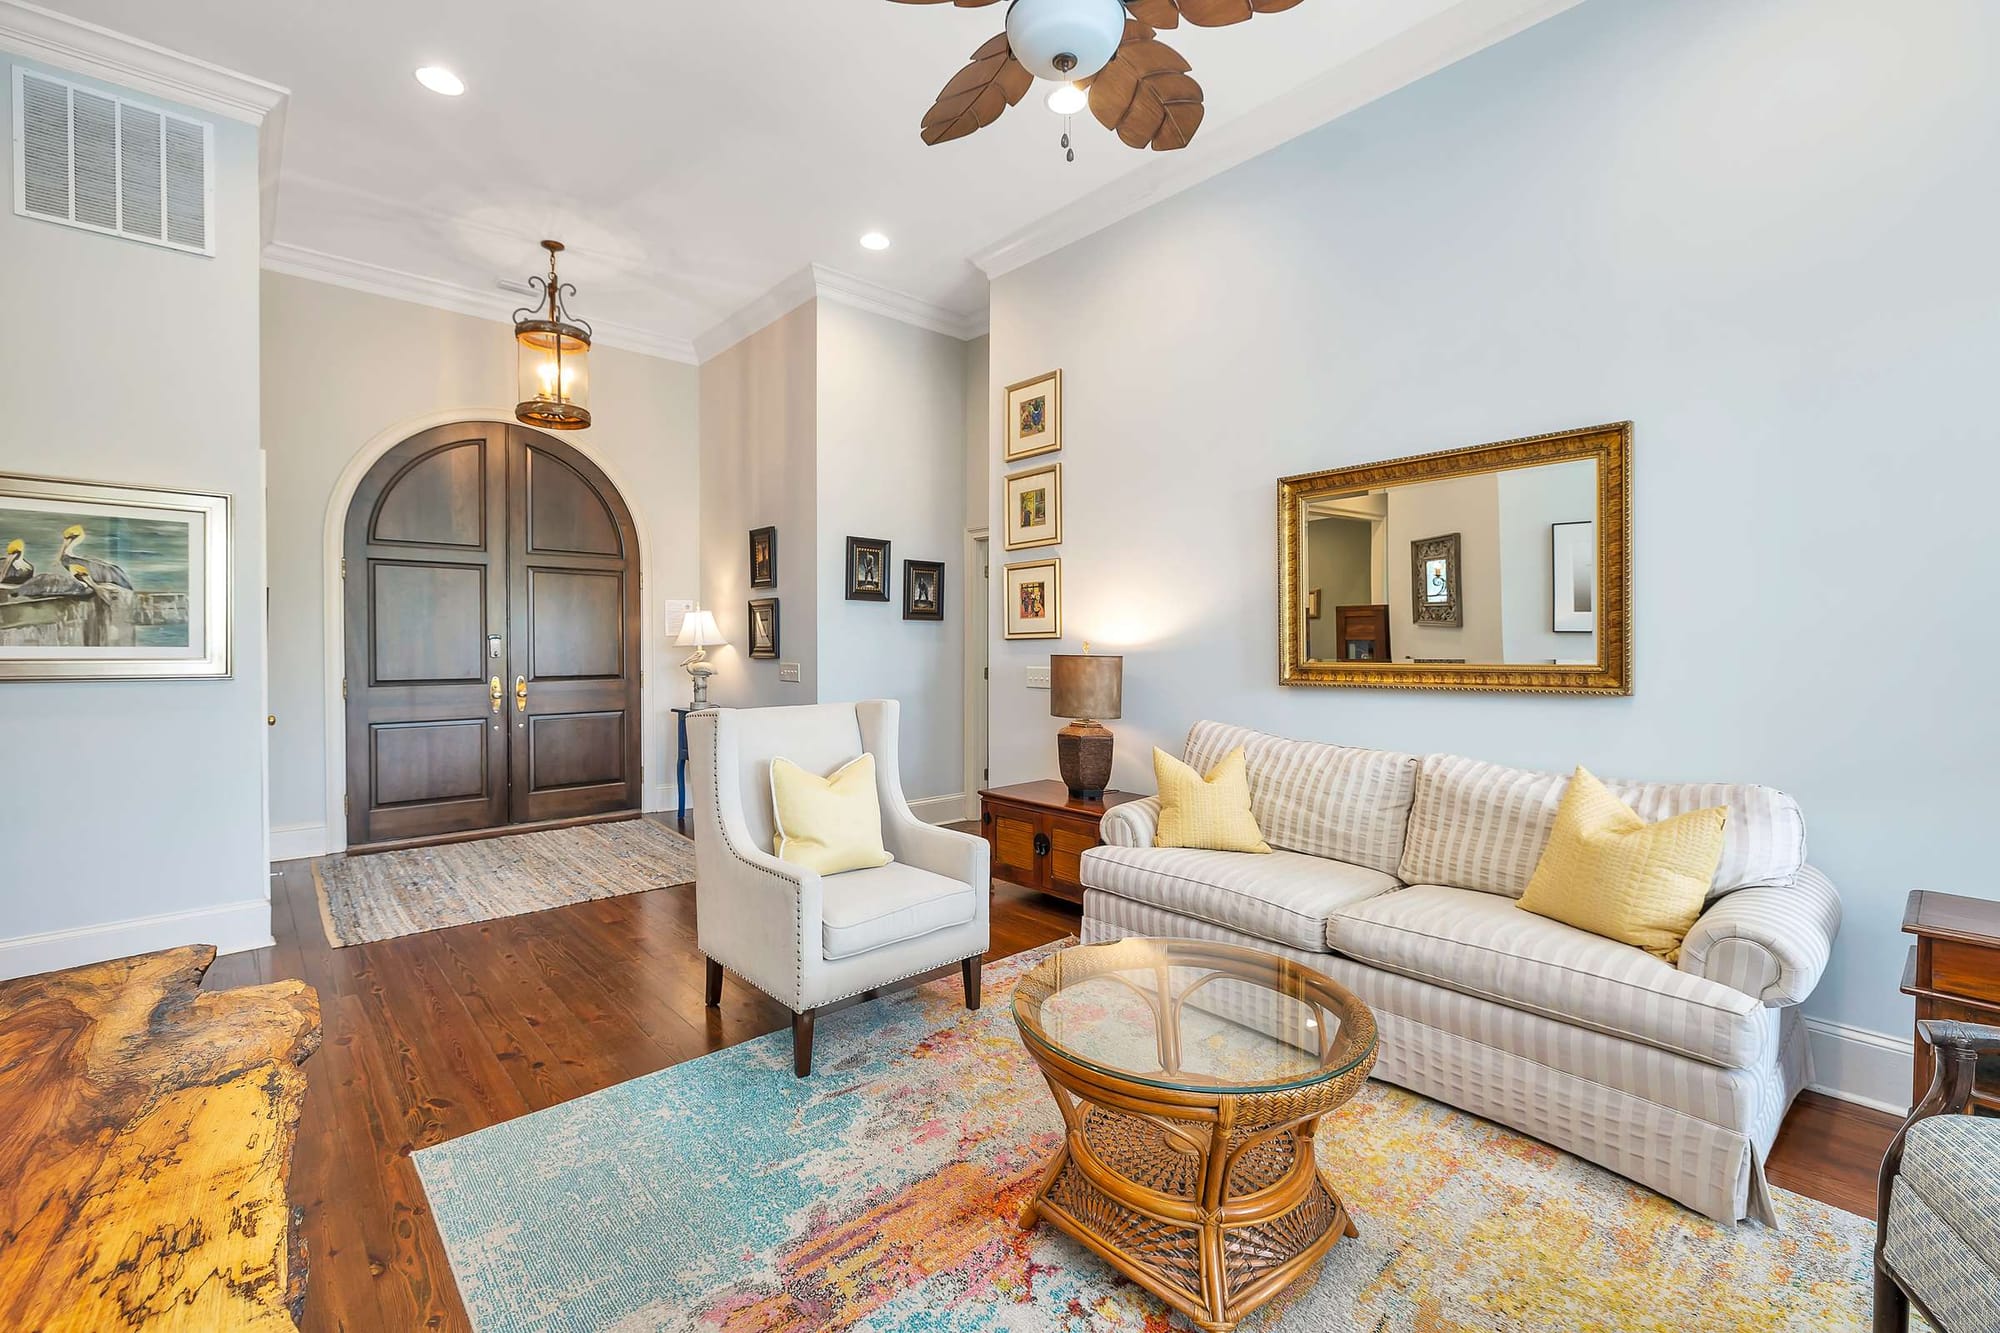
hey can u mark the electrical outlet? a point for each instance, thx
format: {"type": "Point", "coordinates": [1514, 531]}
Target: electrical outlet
{"type": "Point", "coordinates": [788, 671]}
{"type": "Point", "coordinates": [1038, 678]}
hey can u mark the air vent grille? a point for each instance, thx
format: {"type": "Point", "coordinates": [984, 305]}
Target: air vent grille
{"type": "Point", "coordinates": [101, 162]}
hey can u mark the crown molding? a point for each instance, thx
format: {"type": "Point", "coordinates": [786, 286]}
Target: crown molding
{"type": "Point", "coordinates": [1443, 39]}
{"type": "Point", "coordinates": [818, 282]}
{"type": "Point", "coordinates": [57, 39]}
{"type": "Point", "coordinates": [378, 280]}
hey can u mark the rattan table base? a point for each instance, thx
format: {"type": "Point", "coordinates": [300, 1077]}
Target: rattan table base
{"type": "Point", "coordinates": [1130, 1185]}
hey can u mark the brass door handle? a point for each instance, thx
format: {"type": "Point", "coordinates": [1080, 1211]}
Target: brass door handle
{"type": "Point", "coordinates": [520, 694]}
{"type": "Point", "coordinates": [497, 693]}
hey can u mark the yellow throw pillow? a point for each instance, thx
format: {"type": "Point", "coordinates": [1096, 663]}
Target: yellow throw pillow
{"type": "Point", "coordinates": [1212, 812]}
{"type": "Point", "coordinates": [1611, 873]}
{"type": "Point", "coordinates": [828, 824]}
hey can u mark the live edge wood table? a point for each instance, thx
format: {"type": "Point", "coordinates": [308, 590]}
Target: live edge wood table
{"type": "Point", "coordinates": [1191, 1077]}
{"type": "Point", "coordinates": [1953, 971]}
{"type": "Point", "coordinates": [1039, 833]}
{"type": "Point", "coordinates": [146, 1132]}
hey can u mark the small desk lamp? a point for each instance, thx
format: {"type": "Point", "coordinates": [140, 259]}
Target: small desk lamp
{"type": "Point", "coordinates": [698, 631]}
{"type": "Point", "coordinates": [1084, 689]}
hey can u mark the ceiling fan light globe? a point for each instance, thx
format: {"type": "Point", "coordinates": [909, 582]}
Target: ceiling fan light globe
{"type": "Point", "coordinates": [1068, 99]}
{"type": "Point", "coordinates": [1065, 40]}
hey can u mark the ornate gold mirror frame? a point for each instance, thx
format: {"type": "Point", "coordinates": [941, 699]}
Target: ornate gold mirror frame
{"type": "Point", "coordinates": [1609, 446]}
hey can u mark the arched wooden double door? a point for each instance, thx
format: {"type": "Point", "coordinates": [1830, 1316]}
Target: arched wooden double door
{"type": "Point", "coordinates": [492, 623]}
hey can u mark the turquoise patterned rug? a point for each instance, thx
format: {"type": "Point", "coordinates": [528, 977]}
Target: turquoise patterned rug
{"type": "Point", "coordinates": [723, 1195]}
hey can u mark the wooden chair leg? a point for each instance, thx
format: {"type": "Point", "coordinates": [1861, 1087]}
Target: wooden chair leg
{"type": "Point", "coordinates": [968, 972]}
{"type": "Point", "coordinates": [1892, 1307]}
{"type": "Point", "coordinates": [714, 983]}
{"type": "Point", "coordinates": [802, 1044]}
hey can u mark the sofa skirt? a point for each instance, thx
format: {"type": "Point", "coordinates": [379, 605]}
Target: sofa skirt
{"type": "Point", "coordinates": [1697, 1133]}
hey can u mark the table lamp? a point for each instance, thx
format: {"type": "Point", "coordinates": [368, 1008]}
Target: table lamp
{"type": "Point", "coordinates": [1085, 689]}
{"type": "Point", "coordinates": [698, 631]}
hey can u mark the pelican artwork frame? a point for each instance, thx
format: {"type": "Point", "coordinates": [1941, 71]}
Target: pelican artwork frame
{"type": "Point", "coordinates": [108, 582]}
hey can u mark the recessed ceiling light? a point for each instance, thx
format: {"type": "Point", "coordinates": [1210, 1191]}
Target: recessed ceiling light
{"type": "Point", "coordinates": [440, 80]}
{"type": "Point", "coordinates": [1068, 99]}
{"type": "Point", "coordinates": [874, 240]}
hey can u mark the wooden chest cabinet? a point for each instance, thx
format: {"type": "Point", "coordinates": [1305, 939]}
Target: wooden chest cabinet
{"type": "Point", "coordinates": [1953, 971]}
{"type": "Point", "coordinates": [1039, 835]}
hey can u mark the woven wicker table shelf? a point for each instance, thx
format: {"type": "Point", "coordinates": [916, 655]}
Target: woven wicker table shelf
{"type": "Point", "coordinates": [1191, 1077]}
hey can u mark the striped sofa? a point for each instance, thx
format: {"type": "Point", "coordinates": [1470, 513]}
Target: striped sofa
{"type": "Point", "coordinates": [1397, 876]}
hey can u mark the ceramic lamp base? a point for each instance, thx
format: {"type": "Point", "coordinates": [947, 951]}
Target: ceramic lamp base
{"type": "Point", "coordinates": [1083, 753]}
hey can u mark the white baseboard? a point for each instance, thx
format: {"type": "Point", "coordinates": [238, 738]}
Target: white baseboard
{"type": "Point", "coordinates": [230, 927]}
{"type": "Point", "coordinates": [1858, 1065]}
{"type": "Point", "coordinates": [293, 842]}
{"type": "Point", "coordinates": [940, 809]}
{"type": "Point", "coordinates": [658, 797]}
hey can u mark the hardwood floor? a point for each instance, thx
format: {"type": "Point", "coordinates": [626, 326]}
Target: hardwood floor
{"type": "Point", "coordinates": [432, 1036]}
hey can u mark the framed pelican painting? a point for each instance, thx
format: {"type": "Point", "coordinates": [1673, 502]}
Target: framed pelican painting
{"type": "Point", "coordinates": [111, 582]}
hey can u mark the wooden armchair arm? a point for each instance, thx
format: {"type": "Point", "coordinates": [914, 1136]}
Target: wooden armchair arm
{"type": "Point", "coordinates": [1959, 1048]}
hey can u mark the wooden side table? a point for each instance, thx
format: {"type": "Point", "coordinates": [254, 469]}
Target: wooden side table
{"type": "Point", "coordinates": [1954, 972]}
{"type": "Point", "coordinates": [1039, 834]}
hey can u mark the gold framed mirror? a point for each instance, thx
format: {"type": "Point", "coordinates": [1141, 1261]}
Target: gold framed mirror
{"type": "Point", "coordinates": [1504, 566]}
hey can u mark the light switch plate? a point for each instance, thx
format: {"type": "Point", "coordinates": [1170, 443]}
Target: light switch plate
{"type": "Point", "coordinates": [1038, 678]}
{"type": "Point", "coordinates": [788, 671]}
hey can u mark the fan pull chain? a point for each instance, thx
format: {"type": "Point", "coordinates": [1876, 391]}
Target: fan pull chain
{"type": "Point", "coordinates": [1069, 153]}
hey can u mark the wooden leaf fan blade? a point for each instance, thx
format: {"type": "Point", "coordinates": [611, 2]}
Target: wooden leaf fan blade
{"type": "Point", "coordinates": [1215, 13]}
{"type": "Point", "coordinates": [1145, 95]}
{"type": "Point", "coordinates": [1155, 13]}
{"type": "Point", "coordinates": [977, 94]}
{"type": "Point", "coordinates": [1202, 13]}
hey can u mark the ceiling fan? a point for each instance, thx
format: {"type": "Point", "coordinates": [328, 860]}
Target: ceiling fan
{"type": "Point", "coordinates": [1138, 87]}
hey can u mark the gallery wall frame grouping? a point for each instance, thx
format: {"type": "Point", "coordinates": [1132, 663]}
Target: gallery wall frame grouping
{"type": "Point", "coordinates": [110, 582]}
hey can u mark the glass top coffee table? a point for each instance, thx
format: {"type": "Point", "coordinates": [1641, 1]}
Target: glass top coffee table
{"type": "Point", "coordinates": [1191, 1077]}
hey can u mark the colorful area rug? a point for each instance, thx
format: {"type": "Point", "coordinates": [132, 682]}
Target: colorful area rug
{"type": "Point", "coordinates": [378, 897]}
{"type": "Point", "coordinates": [880, 1195]}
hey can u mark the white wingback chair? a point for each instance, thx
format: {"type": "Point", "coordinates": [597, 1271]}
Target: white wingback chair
{"type": "Point", "coordinates": [805, 939]}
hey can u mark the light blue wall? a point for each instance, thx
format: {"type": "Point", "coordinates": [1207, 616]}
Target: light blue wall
{"type": "Point", "coordinates": [137, 365]}
{"type": "Point", "coordinates": [1764, 230]}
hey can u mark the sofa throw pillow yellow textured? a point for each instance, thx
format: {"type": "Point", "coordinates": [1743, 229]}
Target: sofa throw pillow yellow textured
{"type": "Point", "coordinates": [828, 824]}
{"type": "Point", "coordinates": [1611, 873]}
{"type": "Point", "coordinates": [1210, 812]}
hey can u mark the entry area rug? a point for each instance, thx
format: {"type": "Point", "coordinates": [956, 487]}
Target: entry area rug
{"type": "Point", "coordinates": [880, 1194]}
{"type": "Point", "coordinates": [378, 897]}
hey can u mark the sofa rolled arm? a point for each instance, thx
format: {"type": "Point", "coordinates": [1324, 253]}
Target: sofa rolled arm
{"type": "Point", "coordinates": [1132, 824]}
{"type": "Point", "coordinates": [1771, 942]}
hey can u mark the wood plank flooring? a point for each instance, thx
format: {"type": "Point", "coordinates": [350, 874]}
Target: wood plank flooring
{"type": "Point", "coordinates": [432, 1036]}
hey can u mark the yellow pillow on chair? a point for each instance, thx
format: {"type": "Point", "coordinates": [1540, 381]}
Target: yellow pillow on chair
{"type": "Point", "coordinates": [828, 824]}
{"type": "Point", "coordinates": [1611, 873]}
{"type": "Point", "coordinates": [1212, 812]}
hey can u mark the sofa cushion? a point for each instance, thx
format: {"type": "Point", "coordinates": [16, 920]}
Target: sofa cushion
{"type": "Point", "coordinates": [863, 910]}
{"type": "Point", "coordinates": [1325, 800]}
{"type": "Point", "coordinates": [1482, 944]}
{"type": "Point", "coordinates": [1483, 826]}
{"type": "Point", "coordinates": [1284, 897]}
{"type": "Point", "coordinates": [1943, 1237]}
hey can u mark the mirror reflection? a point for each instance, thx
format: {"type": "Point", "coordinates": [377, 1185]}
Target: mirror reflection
{"type": "Point", "coordinates": [1491, 568]}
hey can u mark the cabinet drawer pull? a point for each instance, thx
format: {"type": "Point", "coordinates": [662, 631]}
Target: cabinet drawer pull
{"type": "Point", "coordinates": [1041, 844]}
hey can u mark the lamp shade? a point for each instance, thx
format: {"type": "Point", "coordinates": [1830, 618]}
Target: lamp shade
{"type": "Point", "coordinates": [698, 630]}
{"type": "Point", "coordinates": [1085, 686]}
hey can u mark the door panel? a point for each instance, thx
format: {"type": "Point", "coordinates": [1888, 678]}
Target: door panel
{"type": "Point", "coordinates": [425, 586]}
{"type": "Point", "coordinates": [576, 621]}
{"type": "Point", "coordinates": [573, 595]}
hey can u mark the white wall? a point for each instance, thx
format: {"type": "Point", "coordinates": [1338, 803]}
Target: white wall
{"type": "Point", "coordinates": [348, 375]}
{"type": "Point", "coordinates": [125, 800]}
{"type": "Point", "coordinates": [1531, 500]}
{"type": "Point", "coordinates": [1470, 507]}
{"type": "Point", "coordinates": [892, 412]}
{"type": "Point", "coordinates": [759, 469]}
{"type": "Point", "coordinates": [1762, 231]}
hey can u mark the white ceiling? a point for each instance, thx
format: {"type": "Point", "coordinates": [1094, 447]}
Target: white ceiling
{"type": "Point", "coordinates": [696, 155]}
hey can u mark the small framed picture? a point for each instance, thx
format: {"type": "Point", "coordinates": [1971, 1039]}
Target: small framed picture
{"type": "Point", "coordinates": [1573, 575]}
{"type": "Point", "coordinates": [763, 557]}
{"type": "Point", "coordinates": [764, 629]}
{"type": "Point", "coordinates": [867, 569]}
{"type": "Point", "coordinates": [1033, 590]}
{"type": "Point", "coordinates": [1434, 582]}
{"type": "Point", "coordinates": [1312, 604]}
{"type": "Point", "coordinates": [923, 590]}
{"type": "Point", "coordinates": [1034, 417]}
{"type": "Point", "coordinates": [1034, 508]}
